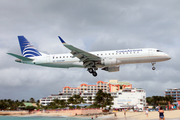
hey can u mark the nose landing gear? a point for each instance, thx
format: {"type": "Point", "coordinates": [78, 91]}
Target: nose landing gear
{"type": "Point", "coordinates": [93, 72]}
{"type": "Point", "coordinates": [153, 63]}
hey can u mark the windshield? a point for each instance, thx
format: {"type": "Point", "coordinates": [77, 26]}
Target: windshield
{"type": "Point", "coordinates": [159, 51]}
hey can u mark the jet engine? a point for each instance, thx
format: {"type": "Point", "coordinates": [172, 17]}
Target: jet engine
{"type": "Point", "coordinates": [110, 62]}
{"type": "Point", "coordinates": [111, 69]}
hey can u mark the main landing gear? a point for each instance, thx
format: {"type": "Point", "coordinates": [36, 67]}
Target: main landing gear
{"type": "Point", "coordinates": [92, 71]}
{"type": "Point", "coordinates": [153, 63]}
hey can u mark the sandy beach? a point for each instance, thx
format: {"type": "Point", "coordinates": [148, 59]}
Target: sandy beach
{"type": "Point", "coordinates": [169, 115]}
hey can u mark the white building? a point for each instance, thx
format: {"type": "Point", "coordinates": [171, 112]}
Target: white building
{"type": "Point", "coordinates": [65, 96]}
{"type": "Point", "coordinates": [134, 98]}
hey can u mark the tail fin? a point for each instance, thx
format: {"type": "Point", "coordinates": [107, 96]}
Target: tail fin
{"type": "Point", "coordinates": [27, 49]}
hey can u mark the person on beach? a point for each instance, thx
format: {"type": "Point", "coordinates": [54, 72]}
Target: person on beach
{"type": "Point", "coordinates": [147, 112]}
{"type": "Point", "coordinates": [161, 114]}
{"type": "Point", "coordinates": [124, 113]}
{"type": "Point", "coordinates": [115, 116]}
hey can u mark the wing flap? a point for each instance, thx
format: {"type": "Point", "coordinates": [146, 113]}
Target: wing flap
{"type": "Point", "coordinates": [20, 57]}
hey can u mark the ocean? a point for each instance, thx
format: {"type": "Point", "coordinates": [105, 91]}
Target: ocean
{"type": "Point", "coordinates": [41, 118]}
{"type": "Point", "coordinates": [63, 118]}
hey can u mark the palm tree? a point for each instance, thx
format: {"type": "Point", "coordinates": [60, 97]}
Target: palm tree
{"type": "Point", "coordinates": [169, 99]}
{"type": "Point", "coordinates": [52, 105]}
{"type": "Point", "coordinates": [149, 100]}
{"type": "Point", "coordinates": [63, 103]}
{"type": "Point", "coordinates": [77, 99]}
{"type": "Point", "coordinates": [56, 101]}
{"type": "Point", "coordinates": [99, 97]}
{"type": "Point", "coordinates": [90, 98]}
{"type": "Point", "coordinates": [32, 100]}
{"type": "Point", "coordinates": [108, 99]}
{"type": "Point", "coordinates": [155, 100]}
{"type": "Point", "coordinates": [102, 99]}
{"type": "Point", "coordinates": [81, 100]}
{"type": "Point", "coordinates": [70, 100]}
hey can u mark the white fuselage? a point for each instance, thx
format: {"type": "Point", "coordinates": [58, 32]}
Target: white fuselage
{"type": "Point", "coordinates": [126, 56]}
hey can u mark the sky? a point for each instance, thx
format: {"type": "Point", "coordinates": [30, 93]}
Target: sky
{"type": "Point", "coordinates": [91, 25]}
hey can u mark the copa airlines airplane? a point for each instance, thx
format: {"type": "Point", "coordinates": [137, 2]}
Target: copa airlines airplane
{"type": "Point", "coordinates": [106, 60]}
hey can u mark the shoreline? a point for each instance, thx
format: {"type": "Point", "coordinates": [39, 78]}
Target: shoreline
{"type": "Point", "coordinates": [169, 115]}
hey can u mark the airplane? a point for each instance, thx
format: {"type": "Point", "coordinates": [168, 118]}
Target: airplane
{"type": "Point", "coordinates": [106, 60]}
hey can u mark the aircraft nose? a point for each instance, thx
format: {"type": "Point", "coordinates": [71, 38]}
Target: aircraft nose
{"type": "Point", "coordinates": [168, 57]}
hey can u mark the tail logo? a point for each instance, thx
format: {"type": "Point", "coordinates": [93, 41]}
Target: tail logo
{"type": "Point", "coordinates": [30, 51]}
{"type": "Point", "coordinates": [27, 49]}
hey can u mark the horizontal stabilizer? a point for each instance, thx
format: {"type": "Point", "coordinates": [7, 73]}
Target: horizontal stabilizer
{"type": "Point", "coordinates": [20, 57]}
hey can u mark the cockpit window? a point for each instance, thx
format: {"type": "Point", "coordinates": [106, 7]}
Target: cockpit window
{"type": "Point", "coordinates": [159, 51]}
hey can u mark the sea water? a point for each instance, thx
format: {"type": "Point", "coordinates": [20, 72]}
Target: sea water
{"type": "Point", "coordinates": [41, 118]}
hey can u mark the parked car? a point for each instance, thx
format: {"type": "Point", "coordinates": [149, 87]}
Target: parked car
{"type": "Point", "coordinates": [150, 109]}
{"type": "Point", "coordinates": [140, 110]}
{"type": "Point", "coordinates": [131, 110]}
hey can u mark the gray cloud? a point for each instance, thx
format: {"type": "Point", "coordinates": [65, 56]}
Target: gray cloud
{"type": "Point", "coordinates": [91, 26]}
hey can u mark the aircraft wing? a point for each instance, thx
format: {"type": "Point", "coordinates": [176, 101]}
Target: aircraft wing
{"type": "Point", "coordinates": [81, 54]}
{"type": "Point", "coordinates": [20, 57]}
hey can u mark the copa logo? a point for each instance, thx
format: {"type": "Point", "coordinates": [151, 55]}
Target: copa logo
{"type": "Point", "coordinates": [129, 51]}
{"type": "Point", "coordinates": [30, 51]}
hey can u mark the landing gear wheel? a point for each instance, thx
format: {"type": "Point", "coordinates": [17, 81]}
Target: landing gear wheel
{"type": "Point", "coordinates": [94, 74]}
{"type": "Point", "coordinates": [153, 63]}
{"type": "Point", "coordinates": [90, 70]}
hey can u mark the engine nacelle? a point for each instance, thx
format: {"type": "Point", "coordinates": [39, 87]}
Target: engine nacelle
{"type": "Point", "coordinates": [110, 62]}
{"type": "Point", "coordinates": [111, 69]}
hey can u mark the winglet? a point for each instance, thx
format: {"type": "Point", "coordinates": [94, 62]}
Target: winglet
{"type": "Point", "coordinates": [61, 39]}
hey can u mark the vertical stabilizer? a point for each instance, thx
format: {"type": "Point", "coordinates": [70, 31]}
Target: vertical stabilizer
{"type": "Point", "coordinates": [27, 49]}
